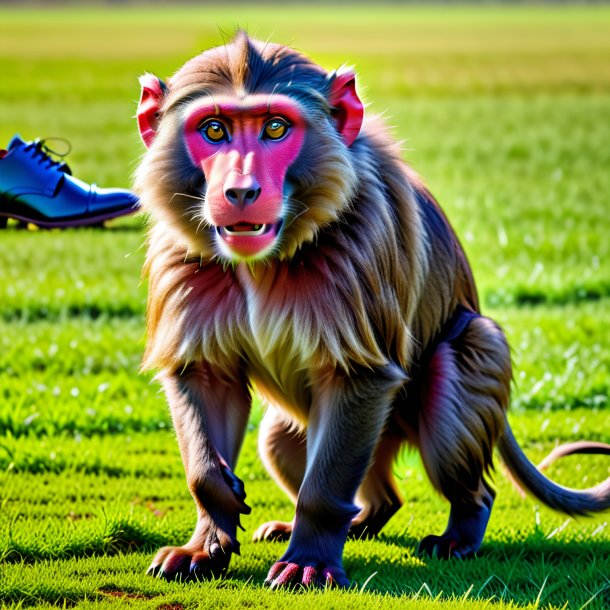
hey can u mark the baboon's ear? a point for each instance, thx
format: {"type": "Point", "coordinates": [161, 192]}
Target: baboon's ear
{"type": "Point", "coordinates": [347, 109]}
{"type": "Point", "coordinates": [149, 108]}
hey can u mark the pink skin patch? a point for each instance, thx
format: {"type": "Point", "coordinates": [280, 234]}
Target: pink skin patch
{"type": "Point", "coordinates": [245, 169]}
{"type": "Point", "coordinates": [441, 377]}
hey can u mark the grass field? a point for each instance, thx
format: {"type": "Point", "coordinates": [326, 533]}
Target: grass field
{"type": "Point", "coordinates": [505, 112]}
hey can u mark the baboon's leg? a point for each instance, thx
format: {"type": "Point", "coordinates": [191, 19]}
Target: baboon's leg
{"type": "Point", "coordinates": [282, 447]}
{"type": "Point", "coordinates": [283, 450]}
{"type": "Point", "coordinates": [346, 421]}
{"type": "Point", "coordinates": [465, 393]}
{"type": "Point", "coordinates": [209, 408]}
{"type": "Point", "coordinates": [378, 495]}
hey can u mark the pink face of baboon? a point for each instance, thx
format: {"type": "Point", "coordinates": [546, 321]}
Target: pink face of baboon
{"type": "Point", "coordinates": [256, 148]}
{"type": "Point", "coordinates": [245, 149]}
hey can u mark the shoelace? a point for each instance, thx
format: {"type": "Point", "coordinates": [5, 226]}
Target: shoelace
{"type": "Point", "coordinates": [43, 152]}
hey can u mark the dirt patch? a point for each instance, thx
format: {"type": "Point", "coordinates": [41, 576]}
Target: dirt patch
{"type": "Point", "coordinates": [124, 594]}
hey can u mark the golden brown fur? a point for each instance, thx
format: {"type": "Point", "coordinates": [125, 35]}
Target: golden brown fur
{"type": "Point", "coordinates": [361, 332]}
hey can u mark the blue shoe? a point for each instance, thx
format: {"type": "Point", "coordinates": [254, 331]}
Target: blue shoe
{"type": "Point", "coordinates": [36, 189]}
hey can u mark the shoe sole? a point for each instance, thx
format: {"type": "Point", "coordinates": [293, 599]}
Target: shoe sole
{"type": "Point", "coordinates": [65, 223]}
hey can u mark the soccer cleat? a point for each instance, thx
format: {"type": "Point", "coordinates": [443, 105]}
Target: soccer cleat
{"type": "Point", "coordinates": [34, 188]}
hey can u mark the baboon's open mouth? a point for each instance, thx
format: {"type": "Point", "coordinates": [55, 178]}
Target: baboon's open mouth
{"type": "Point", "coordinates": [247, 239]}
{"type": "Point", "coordinates": [246, 229]}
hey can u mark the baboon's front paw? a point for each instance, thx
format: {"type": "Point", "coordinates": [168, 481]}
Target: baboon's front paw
{"type": "Point", "coordinates": [290, 575]}
{"type": "Point", "coordinates": [273, 530]}
{"type": "Point", "coordinates": [445, 547]}
{"type": "Point", "coordinates": [186, 563]}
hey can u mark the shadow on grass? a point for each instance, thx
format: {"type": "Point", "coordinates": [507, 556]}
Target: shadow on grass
{"type": "Point", "coordinates": [532, 547]}
{"type": "Point", "coordinates": [503, 572]}
{"type": "Point", "coordinates": [390, 565]}
{"type": "Point", "coordinates": [63, 312]}
{"type": "Point", "coordinates": [533, 570]}
{"type": "Point", "coordinates": [126, 536]}
{"type": "Point", "coordinates": [532, 297]}
{"type": "Point", "coordinates": [119, 536]}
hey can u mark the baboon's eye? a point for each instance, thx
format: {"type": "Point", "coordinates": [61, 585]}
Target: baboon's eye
{"type": "Point", "coordinates": [214, 131]}
{"type": "Point", "coordinates": [275, 129]}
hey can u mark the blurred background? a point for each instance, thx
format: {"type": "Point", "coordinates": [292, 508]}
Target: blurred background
{"type": "Point", "coordinates": [503, 109]}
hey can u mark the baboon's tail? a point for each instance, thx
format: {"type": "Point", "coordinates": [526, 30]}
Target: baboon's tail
{"type": "Point", "coordinates": [563, 499]}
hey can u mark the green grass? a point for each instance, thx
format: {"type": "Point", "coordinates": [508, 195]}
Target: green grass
{"type": "Point", "coordinates": [504, 111]}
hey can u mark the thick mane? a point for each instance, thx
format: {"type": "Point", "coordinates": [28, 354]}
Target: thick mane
{"type": "Point", "coordinates": [359, 209]}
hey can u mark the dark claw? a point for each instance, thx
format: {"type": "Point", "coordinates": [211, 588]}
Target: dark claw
{"type": "Point", "coordinates": [153, 571]}
{"type": "Point", "coordinates": [335, 578]}
{"type": "Point", "coordinates": [199, 568]}
{"type": "Point", "coordinates": [181, 563]}
{"type": "Point", "coordinates": [197, 572]}
{"type": "Point", "coordinates": [441, 547]}
{"type": "Point", "coordinates": [234, 482]}
{"type": "Point", "coordinates": [176, 567]}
